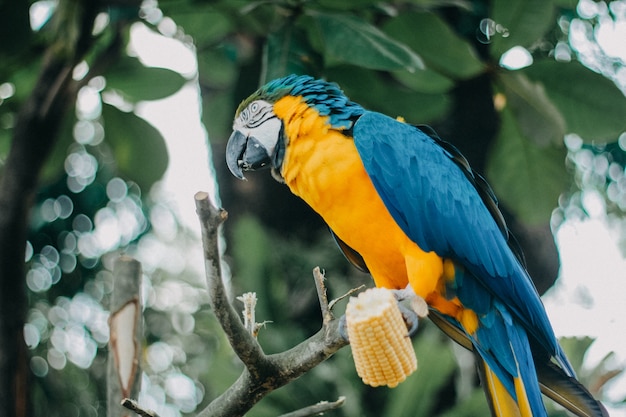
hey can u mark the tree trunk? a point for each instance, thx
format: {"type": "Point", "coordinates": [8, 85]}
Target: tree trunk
{"type": "Point", "coordinates": [33, 138]}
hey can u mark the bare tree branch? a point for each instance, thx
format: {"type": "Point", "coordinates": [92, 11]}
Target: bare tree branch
{"type": "Point", "coordinates": [317, 409]}
{"type": "Point", "coordinates": [133, 406]}
{"type": "Point", "coordinates": [243, 343]}
{"type": "Point", "coordinates": [319, 277]}
{"type": "Point", "coordinates": [262, 373]}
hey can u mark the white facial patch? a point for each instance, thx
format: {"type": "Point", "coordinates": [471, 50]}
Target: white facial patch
{"type": "Point", "coordinates": [259, 121]}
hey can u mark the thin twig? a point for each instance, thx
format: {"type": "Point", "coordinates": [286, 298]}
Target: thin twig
{"type": "Point", "coordinates": [249, 312]}
{"type": "Point", "coordinates": [135, 407]}
{"type": "Point", "coordinates": [319, 278]}
{"type": "Point", "coordinates": [348, 294]}
{"type": "Point", "coordinates": [317, 409]}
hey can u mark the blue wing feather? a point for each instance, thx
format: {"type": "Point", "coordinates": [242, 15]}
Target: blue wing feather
{"type": "Point", "coordinates": [432, 200]}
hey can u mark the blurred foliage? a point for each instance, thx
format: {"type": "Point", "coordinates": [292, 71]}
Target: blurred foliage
{"type": "Point", "coordinates": [420, 51]}
{"type": "Point", "coordinates": [402, 58]}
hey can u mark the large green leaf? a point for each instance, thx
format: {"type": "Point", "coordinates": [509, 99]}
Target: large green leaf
{"type": "Point", "coordinates": [216, 68]}
{"type": "Point", "coordinates": [217, 115]}
{"type": "Point", "coordinates": [380, 94]}
{"type": "Point", "coordinates": [252, 253]}
{"type": "Point", "coordinates": [592, 105]}
{"type": "Point", "coordinates": [137, 82]}
{"type": "Point", "coordinates": [348, 39]}
{"type": "Point", "coordinates": [537, 117]}
{"type": "Point", "coordinates": [576, 349]}
{"type": "Point", "coordinates": [347, 5]}
{"type": "Point", "coordinates": [426, 81]}
{"type": "Point", "coordinates": [202, 21]}
{"type": "Point", "coordinates": [23, 79]}
{"type": "Point", "coordinates": [418, 394]}
{"type": "Point", "coordinates": [287, 51]}
{"type": "Point", "coordinates": [474, 405]}
{"type": "Point", "coordinates": [138, 147]}
{"type": "Point", "coordinates": [436, 43]}
{"type": "Point", "coordinates": [520, 23]}
{"type": "Point", "coordinates": [527, 178]}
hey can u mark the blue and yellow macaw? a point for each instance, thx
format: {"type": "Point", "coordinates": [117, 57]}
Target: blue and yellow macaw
{"type": "Point", "coordinates": [406, 206]}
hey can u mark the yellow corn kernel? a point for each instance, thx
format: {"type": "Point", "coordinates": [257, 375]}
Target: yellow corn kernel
{"type": "Point", "coordinates": [382, 351]}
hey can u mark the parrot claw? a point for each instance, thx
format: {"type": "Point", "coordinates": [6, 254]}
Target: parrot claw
{"type": "Point", "coordinates": [411, 319]}
{"type": "Point", "coordinates": [404, 294]}
{"type": "Point", "coordinates": [417, 304]}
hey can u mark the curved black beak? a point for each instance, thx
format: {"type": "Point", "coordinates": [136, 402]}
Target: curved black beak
{"type": "Point", "coordinates": [245, 154]}
{"type": "Point", "coordinates": [235, 148]}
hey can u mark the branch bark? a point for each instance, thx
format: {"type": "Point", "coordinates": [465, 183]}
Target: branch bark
{"type": "Point", "coordinates": [262, 373]}
{"type": "Point", "coordinates": [317, 409]}
{"type": "Point", "coordinates": [137, 409]}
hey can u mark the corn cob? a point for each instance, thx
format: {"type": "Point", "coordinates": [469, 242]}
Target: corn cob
{"type": "Point", "coordinates": [382, 351]}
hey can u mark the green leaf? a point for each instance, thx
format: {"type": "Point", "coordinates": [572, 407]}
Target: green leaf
{"type": "Point", "coordinates": [347, 5]}
{"type": "Point", "coordinates": [216, 68]}
{"type": "Point", "coordinates": [417, 395]}
{"type": "Point", "coordinates": [386, 96]}
{"type": "Point", "coordinates": [436, 43]}
{"type": "Point", "coordinates": [592, 105]}
{"type": "Point", "coordinates": [138, 147]}
{"type": "Point", "coordinates": [348, 39]}
{"type": "Point", "coordinates": [217, 115]}
{"type": "Point", "coordinates": [474, 405]}
{"type": "Point", "coordinates": [576, 349]}
{"type": "Point", "coordinates": [137, 82]}
{"type": "Point", "coordinates": [426, 81]}
{"type": "Point", "coordinates": [527, 178]}
{"type": "Point", "coordinates": [414, 107]}
{"type": "Point", "coordinates": [252, 253]}
{"type": "Point", "coordinates": [287, 51]}
{"type": "Point", "coordinates": [520, 23]}
{"type": "Point", "coordinates": [537, 117]}
{"type": "Point", "coordinates": [24, 79]}
{"type": "Point", "coordinates": [205, 24]}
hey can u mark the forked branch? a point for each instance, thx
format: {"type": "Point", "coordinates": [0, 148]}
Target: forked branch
{"type": "Point", "coordinates": [262, 373]}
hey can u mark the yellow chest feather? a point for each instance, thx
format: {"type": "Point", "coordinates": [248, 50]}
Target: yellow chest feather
{"type": "Point", "coordinates": [323, 167]}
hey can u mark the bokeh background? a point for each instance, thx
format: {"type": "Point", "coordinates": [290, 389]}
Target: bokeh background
{"type": "Point", "coordinates": [531, 91]}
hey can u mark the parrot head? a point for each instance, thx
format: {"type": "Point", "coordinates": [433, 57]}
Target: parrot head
{"type": "Point", "coordinates": [258, 139]}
